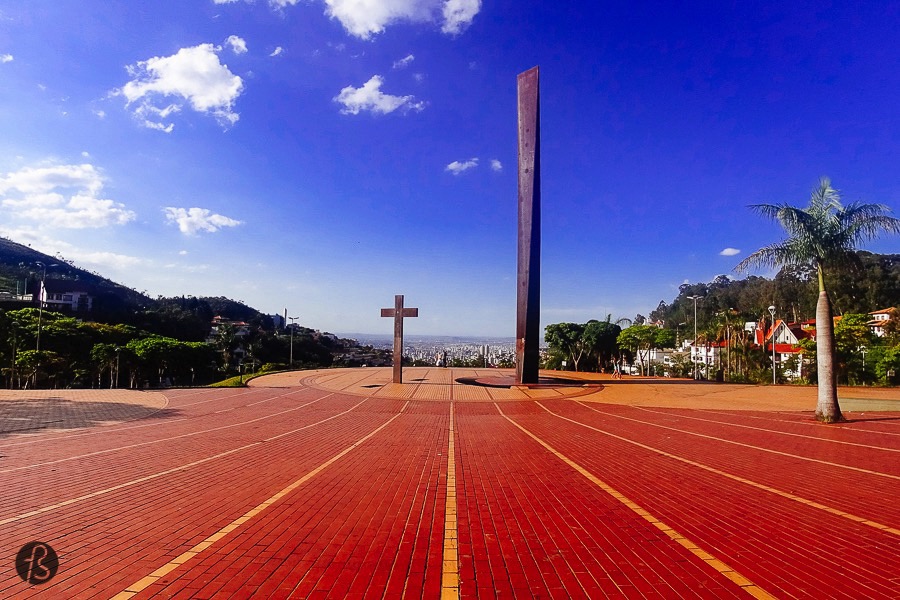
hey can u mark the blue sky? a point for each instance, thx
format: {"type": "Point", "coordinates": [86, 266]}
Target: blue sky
{"type": "Point", "coordinates": [324, 156]}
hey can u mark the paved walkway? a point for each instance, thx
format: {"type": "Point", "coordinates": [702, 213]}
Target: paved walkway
{"type": "Point", "coordinates": [338, 483]}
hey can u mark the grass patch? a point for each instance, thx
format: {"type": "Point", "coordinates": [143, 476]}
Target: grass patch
{"type": "Point", "coordinates": [231, 382]}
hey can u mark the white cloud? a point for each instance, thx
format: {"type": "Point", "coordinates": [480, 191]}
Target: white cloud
{"type": "Point", "coordinates": [496, 165]}
{"type": "Point", "coordinates": [5, 58]}
{"type": "Point", "coordinates": [83, 258]}
{"type": "Point", "coordinates": [458, 14]}
{"type": "Point", "coordinates": [238, 44]}
{"type": "Point", "coordinates": [100, 114]}
{"type": "Point", "coordinates": [61, 196]}
{"type": "Point", "coordinates": [404, 62]}
{"type": "Point", "coordinates": [365, 18]}
{"type": "Point", "coordinates": [729, 252]}
{"type": "Point", "coordinates": [362, 18]}
{"type": "Point", "coordinates": [457, 167]}
{"type": "Point", "coordinates": [192, 74]}
{"type": "Point", "coordinates": [277, 51]}
{"type": "Point", "coordinates": [369, 97]}
{"type": "Point", "coordinates": [112, 260]}
{"type": "Point", "coordinates": [192, 220]}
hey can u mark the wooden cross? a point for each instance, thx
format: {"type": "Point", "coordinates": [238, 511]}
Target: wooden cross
{"type": "Point", "coordinates": [398, 312]}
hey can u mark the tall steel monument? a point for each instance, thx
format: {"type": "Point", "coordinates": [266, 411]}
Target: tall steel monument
{"type": "Point", "coordinates": [528, 293]}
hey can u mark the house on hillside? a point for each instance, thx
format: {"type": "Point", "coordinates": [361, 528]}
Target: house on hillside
{"type": "Point", "coordinates": [880, 318]}
{"type": "Point", "coordinates": [712, 355]}
{"type": "Point", "coordinates": [240, 331]}
{"type": "Point", "coordinates": [786, 338]}
{"type": "Point", "coordinates": [706, 356]}
{"type": "Point", "coordinates": [65, 295]}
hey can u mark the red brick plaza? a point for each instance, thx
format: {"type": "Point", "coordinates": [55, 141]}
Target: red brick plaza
{"type": "Point", "coordinates": [340, 484]}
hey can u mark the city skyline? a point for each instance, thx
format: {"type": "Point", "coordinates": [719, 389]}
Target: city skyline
{"type": "Point", "coordinates": [321, 157]}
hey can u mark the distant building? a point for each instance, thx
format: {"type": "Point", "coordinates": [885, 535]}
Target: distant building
{"type": "Point", "coordinates": [706, 355]}
{"type": "Point", "coordinates": [74, 296]}
{"type": "Point", "coordinates": [786, 337]}
{"type": "Point", "coordinates": [880, 318]}
{"type": "Point", "coordinates": [241, 331]}
{"type": "Point", "coordinates": [279, 321]}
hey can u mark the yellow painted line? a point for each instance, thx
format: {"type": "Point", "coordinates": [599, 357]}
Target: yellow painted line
{"type": "Point", "coordinates": [120, 486]}
{"type": "Point", "coordinates": [799, 435]}
{"type": "Point", "coordinates": [759, 486]}
{"type": "Point", "coordinates": [167, 568]}
{"type": "Point", "coordinates": [720, 566]}
{"type": "Point", "coordinates": [450, 571]}
{"type": "Point", "coordinates": [743, 445]}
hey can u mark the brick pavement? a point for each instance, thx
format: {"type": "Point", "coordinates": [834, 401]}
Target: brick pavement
{"type": "Point", "coordinates": [338, 483]}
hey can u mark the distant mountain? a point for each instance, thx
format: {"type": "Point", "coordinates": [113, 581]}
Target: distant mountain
{"type": "Point", "coordinates": [18, 268]}
{"type": "Point", "coordinates": [113, 302]}
{"type": "Point", "coordinates": [386, 340]}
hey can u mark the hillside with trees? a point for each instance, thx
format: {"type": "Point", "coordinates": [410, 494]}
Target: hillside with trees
{"type": "Point", "coordinates": [20, 273]}
{"type": "Point", "coordinates": [127, 339]}
{"type": "Point", "coordinates": [866, 283]}
{"type": "Point", "coordinates": [871, 282]}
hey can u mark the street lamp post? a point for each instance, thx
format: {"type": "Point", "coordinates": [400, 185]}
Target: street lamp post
{"type": "Point", "coordinates": [863, 350]}
{"type": "Point", "coordinates": [727, 344]}
{"type": "Point", "coordinates": [12, 370]}
{"type": "Point", "coordinates": [118, 362]}
{"type": "Point", "coordinates": [727, 350]}
{"type": "Point", "coordinates": [41, 294]}
{"type": "Point", "coordinates": [292, 319]}
{"type": "Point", "coordinates": [772, 312]}
{"type": "Point", "coordinates": [678, 336]}
{"type": "Point", "coordinates": [694, 343]}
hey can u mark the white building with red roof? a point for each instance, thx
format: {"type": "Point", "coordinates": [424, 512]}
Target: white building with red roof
{"type": "Point", "coordinates": [880, 318]}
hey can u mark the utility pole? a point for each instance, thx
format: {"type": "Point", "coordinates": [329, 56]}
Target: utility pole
{"type": "Point", "coordinates": [694, 343]}
{"type": "Point", "coordinates": [772, 312]}
{"type": "Point", "coordinates": [291, 366]}
{"type": "Point", "coordinates": [41, 293]}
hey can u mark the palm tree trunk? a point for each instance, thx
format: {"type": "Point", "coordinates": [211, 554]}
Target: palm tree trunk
{"type": "Point", "coordinates": [828, 410]}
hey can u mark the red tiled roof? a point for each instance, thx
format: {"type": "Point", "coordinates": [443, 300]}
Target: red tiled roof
{"type": "Point", "coordinates": [785, 348]}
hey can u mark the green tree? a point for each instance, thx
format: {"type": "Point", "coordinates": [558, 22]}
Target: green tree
{"type": "Point", "coordinates": [888, 365]}
{"type": "Point", "coordinates": [37, 364]}
{"type": "Point", "coordinates": [226, 342]}
{"type": "Point", "coordinates": [823, 235]}
{"type": "Point", "coordinates": [103, 356]}
{"type": "Point", "coordinates": [568, 338]}
{"type": "Point", "coordinates": [600, 337]}
{"type": "Point", "coordinates": [640, 339]}
{"type": "Point", "coordinates": [851, 333]}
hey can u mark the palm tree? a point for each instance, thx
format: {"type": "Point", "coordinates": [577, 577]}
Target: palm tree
{"type": "Point", "coordinates": [822, 235]}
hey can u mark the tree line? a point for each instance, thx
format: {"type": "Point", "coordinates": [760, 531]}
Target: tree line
{"type": "Point", "coordinates": [726, 304]}
{"type": "Point", "coordinates": [823, 273]}
{"type": "Point", "coordinates": [42, 348]}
